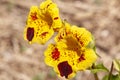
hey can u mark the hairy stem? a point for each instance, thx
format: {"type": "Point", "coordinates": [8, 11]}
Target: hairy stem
{"type": "Point", "coordinates": [110, 74]}
{"type": "Point", "coordinates": [95, 74]}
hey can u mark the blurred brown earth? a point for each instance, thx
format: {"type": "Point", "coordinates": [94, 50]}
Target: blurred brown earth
{"type": "Point", "coordinates": [21, 61]}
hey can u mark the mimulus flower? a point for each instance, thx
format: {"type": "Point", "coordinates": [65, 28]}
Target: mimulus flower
{"type": "Point", "coordinates": [72, 51]}
{"type": "Point", "coordinates": [67, 57]}
{"type": "Point", "coordinates": [81, 35]}
{"type": "Point", "coordinates": [37, 30]}
{"type": "Point", "coordinates": [41, 23]}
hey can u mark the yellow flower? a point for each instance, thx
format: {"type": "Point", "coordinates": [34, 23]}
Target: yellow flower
{"type": "Point", "coordinates": [81, 35]}
{"type": "Point", "coordinates": [73, 49]}
{"type": "Point", "coordinates": [37, 30]}
{"type": "Point", "coordinates": [41, 23]}
{"type": "Point", "coordinates": [69, 54]}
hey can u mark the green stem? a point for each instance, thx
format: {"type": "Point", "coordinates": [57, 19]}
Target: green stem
{"type": "Point", "coordinates": [110, 74]}
{"type": "Point", "coordinates": [95, 74]}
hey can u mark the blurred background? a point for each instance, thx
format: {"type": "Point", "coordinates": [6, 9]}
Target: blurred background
{"type": "Point", "coordinates": [21, 61]}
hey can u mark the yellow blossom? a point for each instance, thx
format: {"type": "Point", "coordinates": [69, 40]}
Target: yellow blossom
{"type": "Point", "coordinates": [37, 30]}
{"type": "Point", "coordinates": [81, 35]}
{"type": "Point", "coordinates": [72, 49]}
{"type": "Point", "coordinates": [69, 54]}
{"type": "Point", "coordinates": [41, 23]}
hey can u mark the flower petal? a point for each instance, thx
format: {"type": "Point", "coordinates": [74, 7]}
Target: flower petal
{"type": "Point", "coordinates": [81, 35]}
{"type": "Point", "coordinates": [37, 32]}
{"type": "Point", "coordinates": [86, 59]}
{"type": "Point", "coordinates": [50, 13]}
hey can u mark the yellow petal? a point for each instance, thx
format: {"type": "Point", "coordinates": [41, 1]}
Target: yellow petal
{"type": "Point", "coordinates": [50, 13]}
{"type": "Point", "coordinates": [41, 34]}
{"type": "Point", "coordinates": [82, 35]}
{"type": "Point", "coordinates": [88, 58]}
{"type": "Point", "coordinates": [34, 14]}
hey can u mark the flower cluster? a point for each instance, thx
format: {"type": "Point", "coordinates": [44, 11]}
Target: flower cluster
{"type": "Point", "coordinates": [74, 47]}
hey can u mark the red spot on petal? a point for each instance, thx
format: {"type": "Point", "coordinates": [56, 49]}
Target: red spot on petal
{"type": "Point", "coordinates": [81, 58]}
{"type": "Point", "coordinates": [55, 54]}
{"type": "Point", "coordinates": [55, 18]}
{"type": "Point", "coordinates": [34, 16]}
{"type": "Point", "coordinates": [49, 5]}
{"type": "Point", "coordinates": [65, 69]}
{"type": "Point", "coordinates": [82, 44]}
{"type": "Point", "coordinates": [60, 37]}
{"type": "Point", "coordinates": [44, 33]}
{"type": "Point", "coordinates": [37, 33]}
{"type": "Point", "coordinates": [78, 39]}
{"type": "Point", "coordinates": [30, 34]}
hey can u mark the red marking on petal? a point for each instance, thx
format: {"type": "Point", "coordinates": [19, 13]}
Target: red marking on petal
{"type": "Point", "coordinates": [49, 5]}
{"type": "Point", "coordinates": [30, 33]}
{"type": "Point", "coordinates": [82, 58]}
{"type": "Point", "coordinates": [60, 37]}
{"type": "Point", "coordinates": [78, 39]}
{"type": "Point", "coordinates": [65, 69]}
{"type": "Point", "coordinates": [34, 16]}
{"type": "Point", "coordinates": [55, 54]}
{"type": "Point", "coordinates": [82, 44]}
{"type": "Point", "coordinates": [55, 18]}
{"type": "Point", "coordinates": [44, 33]}
{"type": "Point", "coordinates": [37, 33]}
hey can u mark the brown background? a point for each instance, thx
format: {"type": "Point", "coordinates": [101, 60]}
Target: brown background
{"type": "Point", "coordinates": [21, 61]}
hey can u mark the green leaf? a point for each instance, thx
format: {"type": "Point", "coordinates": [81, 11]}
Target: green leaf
{"type": "Point", "coordinates": [117, 64]}
{"type": "Point", "coordinates": [98, 68]}
{"type": "Point", "coordinates": [113, 77]}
